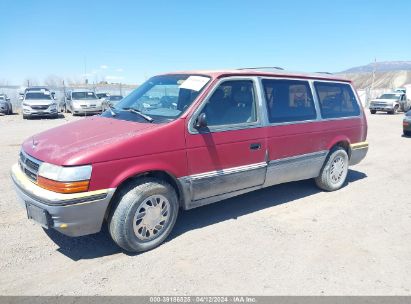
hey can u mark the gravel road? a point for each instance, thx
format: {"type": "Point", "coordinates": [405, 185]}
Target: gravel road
{"type": "Point", "coordinates": [286, 239]}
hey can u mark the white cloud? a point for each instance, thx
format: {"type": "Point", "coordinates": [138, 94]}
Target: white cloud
{"type": "Point", "coordinates": [103, 67]}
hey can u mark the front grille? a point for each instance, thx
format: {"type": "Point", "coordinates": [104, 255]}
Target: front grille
{"type": "Point", "coordinates": [39, 107]}
{"type": "Point", "coordinates": [379, 104]}
{"type": "Point", "coordinates": [29, 165]}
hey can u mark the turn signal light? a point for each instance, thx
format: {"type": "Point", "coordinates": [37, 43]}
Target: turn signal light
{"type": "Point", "coordinates": [63, 187]}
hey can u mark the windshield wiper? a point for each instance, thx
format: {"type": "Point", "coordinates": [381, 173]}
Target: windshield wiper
{"type": "Point", "coordinates": [138, 112]}
{"type": "Point", "coordinates": [111, 108]}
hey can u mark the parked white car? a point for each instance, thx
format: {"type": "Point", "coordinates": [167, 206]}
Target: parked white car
{"type": "Point", "coordinates": [82, 102]}
{"type": "Point", "coordinates": [39, 103]}
{"type": "Point", "coordinates": [390, 103]}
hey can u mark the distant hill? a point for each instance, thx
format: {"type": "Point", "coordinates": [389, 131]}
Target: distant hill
{"type": "Point", "coordinates": [383, 80]}
{"type": "Point", "coordinates": [385, 66]}
{"type": "Point", "coordinates": [388, 75]}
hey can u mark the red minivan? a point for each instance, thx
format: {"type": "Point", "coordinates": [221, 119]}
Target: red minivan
{"type": "Point", "coordinates": [186, 139]}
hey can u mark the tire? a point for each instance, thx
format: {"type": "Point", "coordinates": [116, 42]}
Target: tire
{"type": "Point", "coordinates": [407, 133]}
{"type": "Point", "coordinates": [373, 111]}
{"type": "Point", "coordinates": [395, 111]}
{"type": "Point", "coordinates": [128, 230]}
{"type": "Point", "coordinates": [25, 116]}
{"type": "Point", "coordinates": [331, 181]}
{"type": "Point", "coordinates": [10, 112]}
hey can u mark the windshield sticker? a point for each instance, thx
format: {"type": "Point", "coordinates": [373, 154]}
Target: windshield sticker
{"type": "Point", "coordinates": [89, 94]}
{"type": "Point", "coordinates": [46, 93]}
{"type": "Point", "coordinates": [195, 83]}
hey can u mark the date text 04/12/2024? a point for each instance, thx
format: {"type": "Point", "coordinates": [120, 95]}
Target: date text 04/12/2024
{"type": "Point", "coordinates": [203, 299]}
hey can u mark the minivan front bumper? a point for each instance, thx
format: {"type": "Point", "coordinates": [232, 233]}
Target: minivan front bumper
{"type": "Point", "coordinates": [74, 214]}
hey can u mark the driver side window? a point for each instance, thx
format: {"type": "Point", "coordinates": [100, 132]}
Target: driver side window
{"type": "Point", "coordinates": [233, 102]}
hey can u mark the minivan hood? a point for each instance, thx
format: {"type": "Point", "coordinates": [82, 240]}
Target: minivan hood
{"type": "Point", "coordinates": [88, 139]}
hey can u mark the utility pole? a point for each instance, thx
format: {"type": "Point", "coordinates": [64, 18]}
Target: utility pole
{"type": "Point", "coordinates": [372, 82]}
{"type": "Point", "coordinates": [85, 71]}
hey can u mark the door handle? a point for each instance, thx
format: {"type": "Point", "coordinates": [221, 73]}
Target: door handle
{"type": "Point", "coordinates": [255, 146]}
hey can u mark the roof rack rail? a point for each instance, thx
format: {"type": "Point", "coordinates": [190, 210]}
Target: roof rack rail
{"type": "Point", "coordinates": [328, 73]}
{"type": "Point", "coordinates": [262, 68]}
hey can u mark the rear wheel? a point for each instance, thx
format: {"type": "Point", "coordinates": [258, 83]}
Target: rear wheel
{"type": "Point", "coordinates": [407, 133]}
{"type": "Point", "coordinates": [144, 215]}
{"type": "Point", "coordinates": [373, 111]}
{"type": "Point", "coordinates": [335, 170]}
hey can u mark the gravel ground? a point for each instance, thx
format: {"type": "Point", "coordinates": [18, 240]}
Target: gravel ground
{"type": "Point", "coordinates": [286, 239]}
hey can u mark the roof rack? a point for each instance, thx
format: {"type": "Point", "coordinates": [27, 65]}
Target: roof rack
{"type": "Point", "coordinates": [262, 68]}
{"type": "Point", "coordinates": [328, 73]}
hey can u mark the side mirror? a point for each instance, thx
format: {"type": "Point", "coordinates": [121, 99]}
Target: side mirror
{"type": "Point", "coordinates": [7, 99]}
{"type": "Point", "coordinates": [21, 98]}
{"type": "Point", "coordinates": [201, 121]}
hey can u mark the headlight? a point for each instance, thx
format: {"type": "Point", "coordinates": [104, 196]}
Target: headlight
{"type": "Point", "coordinates": [65, 174]}
{"type": "Point", "coordinates": [64, 179]}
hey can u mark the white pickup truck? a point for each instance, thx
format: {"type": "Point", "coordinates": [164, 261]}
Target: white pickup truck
{"type": "Point", "coordinates": [391, 103]}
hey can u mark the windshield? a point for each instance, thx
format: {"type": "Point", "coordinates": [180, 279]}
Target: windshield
{"type": "Point", "coordinates": [2, 98]}
{"type": "Point", "coordinates": [390, 96]}
{"type": "Point", "coordinates": [163, 97]}
{"type": "Point", "coordinates": [100, 95]}
{"type": "Point", "coordinates": [83, 95]}
{"type": "Point", "coordinates": [39, 95]}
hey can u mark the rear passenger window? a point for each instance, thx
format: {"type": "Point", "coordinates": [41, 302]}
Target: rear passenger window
{"type": "Point", "coordinates": [288, 100]}
{"type": "Point", "coordinates": [336, 100]}
{"type": "Point", "coordinates": [233, 102]}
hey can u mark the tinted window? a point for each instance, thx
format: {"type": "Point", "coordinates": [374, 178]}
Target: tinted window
{"type": "Point", "coordinates": [37, 96]}
{"type": "Point", "coordinates": [288, 100]}
{"type": "Point", "coordinates": [336, 100]}
{"type": "Point", "coordinates": [233, 102]}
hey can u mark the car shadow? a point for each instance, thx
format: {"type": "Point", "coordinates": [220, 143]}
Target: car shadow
{"type": "Point", "coordinates": [101, 244]}
{"type": "Point", "coordinates": [60, 116]}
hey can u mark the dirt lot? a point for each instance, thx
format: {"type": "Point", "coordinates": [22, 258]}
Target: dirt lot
{"type": "Point", "coordinates": [287, 239]}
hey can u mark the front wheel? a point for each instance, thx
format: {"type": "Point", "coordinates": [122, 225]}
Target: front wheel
{"type": "Point", "coordinates": [373, 111]}
{"type": "Point", "coordinates": [395, 110]}
{"type": "Point", "coordinates": [144, 214]}
{"type": "Point", "coordinates": [335, 170]}
{"type": "Point", "coordinates": [407, 133]}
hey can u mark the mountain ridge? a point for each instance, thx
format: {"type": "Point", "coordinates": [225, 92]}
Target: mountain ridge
{"type": "Point", "coordinates": [383, 66]}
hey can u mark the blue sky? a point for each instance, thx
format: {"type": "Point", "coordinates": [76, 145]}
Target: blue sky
{"type": "Point", "coordinates": [129, 41]}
